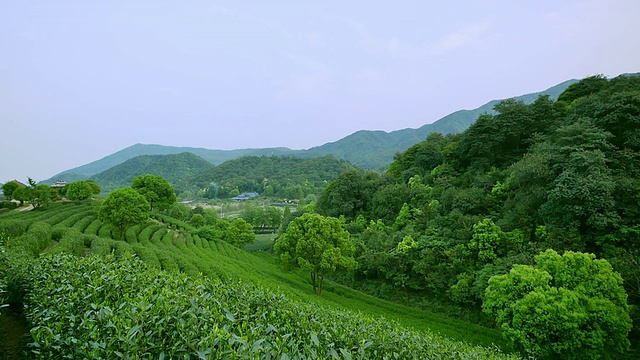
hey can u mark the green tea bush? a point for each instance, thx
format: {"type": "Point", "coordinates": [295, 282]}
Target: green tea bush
{"type": "Point", "coordinates": [104, 231]}
{"type": "Point", "coordinates": [102, 308]}
{"type": "Point", "coordinates": [15, 275]}
{"type": "Point", "coordinates": [72, 242]}
{"type": "Point", "coordinates": [92, 229]}
{"type": "Point", "coordinates": [83, 223]}
{"type": "Point", "coordinates": [100, 246]}
{"type": "Point", "coordinates": [36, 239]}
{"type": "Point", "coordinates": [13, 227]}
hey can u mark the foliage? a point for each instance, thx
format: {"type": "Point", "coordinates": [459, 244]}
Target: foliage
{"type": "Point", "coordinates": [236, 232]}
{"type": "Point", "coordinates": [38, 195]}
{"type": "Point", "coordinates": [286, 177]}
{"type": "Point", "coordinates": [82, 190]}
{"type": "Point", "coordinates": [263, 216]}
{"type": "Point", "coordinates": [569, 306]}
{"type": "Point", "coordinates": [9, 188]}
{"type": "Point", "coordinates": [156, 190]}
{"type": "Point", "coordinates": [316, 244]}
{"type": "Point", "coordinates": [524, 178]}
{"type": "Point", "coordinates": [172, 167]}
{"type": "Point", "coordinates": [123, 208]}
{"type": "Point", "coordinates": [101, 308]}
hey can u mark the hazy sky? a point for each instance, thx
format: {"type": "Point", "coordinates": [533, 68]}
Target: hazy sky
{"type": "Point", "coordinates": [80, 80]}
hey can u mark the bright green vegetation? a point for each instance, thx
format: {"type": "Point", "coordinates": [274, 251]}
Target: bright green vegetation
{"type": "Point", "coordinates": [456, 210]}
{"type": "Point", "coordinates": [574, 287]}
{"type": "Point", "coordinates": [286, 177]}
{"type": "Point", "coordinates": [316, 244]}
{"type": "Point", "coordinates": [263, 242]}
{"type": "Point", "coordinates": [102, 300]}
{"type": "Point", "coordinates": [171, 167]}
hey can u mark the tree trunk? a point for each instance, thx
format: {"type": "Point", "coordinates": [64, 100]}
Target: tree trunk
{"type": "Point", "coordinates": [320, 284]}
{"type": "Point", "coordinates": [313, 281]}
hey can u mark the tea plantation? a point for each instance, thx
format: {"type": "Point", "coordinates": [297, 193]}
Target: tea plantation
{"type": "Point", "coordinates": [164, 293]}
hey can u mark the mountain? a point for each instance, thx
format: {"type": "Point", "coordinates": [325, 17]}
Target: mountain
{"type": "Point", "coordinates": [365, 148]}
{"type": "Point", "coordinates": [375, 149]}
{"type": "Point", "coordinates": [172, 167]}
{"type": "Point", "coordinates": [214, 157]}
{"type": "Point", "coordinates": [283, 176]}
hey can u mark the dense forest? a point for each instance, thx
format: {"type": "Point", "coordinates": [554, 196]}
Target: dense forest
{"type": "Point", "coordinates": [452, 211]}
{"type": "Point", "coordinates": [172, 167]}
{"type": "Point", "coordinates": [288, 177]}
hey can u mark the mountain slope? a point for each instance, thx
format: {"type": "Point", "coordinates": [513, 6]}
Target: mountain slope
{"type": "Point", "coordinates": [365, 148]}
{"type": "Point", "coordinates": [215, 157]}
{"type": "Point", "coordinates": [172, 167]}
{"type": "Point", "coordinates": [375, 149]}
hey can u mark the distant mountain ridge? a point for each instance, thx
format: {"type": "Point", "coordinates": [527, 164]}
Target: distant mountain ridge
{"type": "Point", "coordinates": [375, 149]}
{"type": "Point", "coordinates": [365, 148]}
{"type": "Point", "coordinates": [172, 167]}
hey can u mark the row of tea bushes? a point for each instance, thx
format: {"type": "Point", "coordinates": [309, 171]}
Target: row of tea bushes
{"type": "Point", "coordinates": [103, 307]}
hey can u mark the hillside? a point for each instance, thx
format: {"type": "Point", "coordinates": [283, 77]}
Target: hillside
{"type": "Point", "coordinates": [239, 304]}
{"type": "Point", "coordinates": [282, 176]}
{"type": "Point", "coordinates": [172, 167]}
{"type": "Point", "coordinates": [365, 148]}
{"type": "Point", "coordinates": [375, 149]}
{"type": "Point", "coordinates": [552, 182]}
{"type": "Point", "coordinates": [215, 157]}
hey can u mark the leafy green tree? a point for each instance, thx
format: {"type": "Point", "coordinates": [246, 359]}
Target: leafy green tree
{"type": "Point", "coordinates": [210, 216]}
{"type": "Point", "coordinates": [80, 190]}
{"type": "Point", "coordinates": [123, 208]}
{"type": "Point", "coordinates": [9, 188]}
{"type": "Point", "coordinates": [179, 211]}
{"type": "Point", "coordinates": [42, 195]}
{"type": "Point", "coordinates": [316, 244]}
{"type": "Point", "coordinates": [571, 307]}
{"type": "Point", "coordinates": [197, 220]}
{"type": "Point", "coordinates": [240, 233]}
{"type": "Point", "coordinates": [95, 188]}
{"type": "Point", "coordinates": [22, 194]}
{"type": "Point", "coordinates": [156, 190]}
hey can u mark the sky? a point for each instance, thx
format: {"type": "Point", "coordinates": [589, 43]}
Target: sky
{"type": "Point", "coordinates": [80, 80]}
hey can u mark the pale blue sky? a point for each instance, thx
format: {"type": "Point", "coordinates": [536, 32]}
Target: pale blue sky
{"type": "Point", "coordinates": [80, 80]}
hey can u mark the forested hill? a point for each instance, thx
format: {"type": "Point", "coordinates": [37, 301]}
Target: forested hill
{"type": "Point", "coordinates": [172, 167]}
{"type": "Point", "coordinates": [455, 210]}
{"type": "Point", "coordinates": [288, 177]}
{"type": "Point", "coordinates": [367, 149]}
{"type": "Point", "coordinates": [375, 149]}
{"type": "Point", "coordinates": [215, 157]}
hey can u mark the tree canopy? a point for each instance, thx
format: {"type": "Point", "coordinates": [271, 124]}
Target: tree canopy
{"type": "Point", "coordinates": [158, 192]}
{"type": "Point", "coordinates": [82, 189]}
{"type": "Point", "coordinates": [571, 306]}
{"type": "Point", "coordinates": [123, 208]}
{"type": "Point", "coordinates": [317, 244]}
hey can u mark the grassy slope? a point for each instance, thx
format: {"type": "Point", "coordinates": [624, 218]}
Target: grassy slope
{"type": "Point", "coordinates": [173, 250]}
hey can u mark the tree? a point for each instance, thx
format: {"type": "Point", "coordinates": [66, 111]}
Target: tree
{"type": "Point", "coordinates": [37, 195]}
{"type": "Point", "coordinates": [156, 190]}
{"type": "Point", "coordinates": [317, 244]}
{"type": "Point", "coordinates": [9, 188]}
{"type": "Point", "coordinates": [240, 233]}
{"type": "Point", "coordinates": [123, 208]}
{"type": "Point", "coordinates": [41, 195]}
{"type": "Point", "coordinates": [571, 307]}
{"type": "Point", "coordinates": [82, 190]}
{"type": "Point", "coordinates": [95, 188]}
{"type": "Point", "coordinates": [197, 220]}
